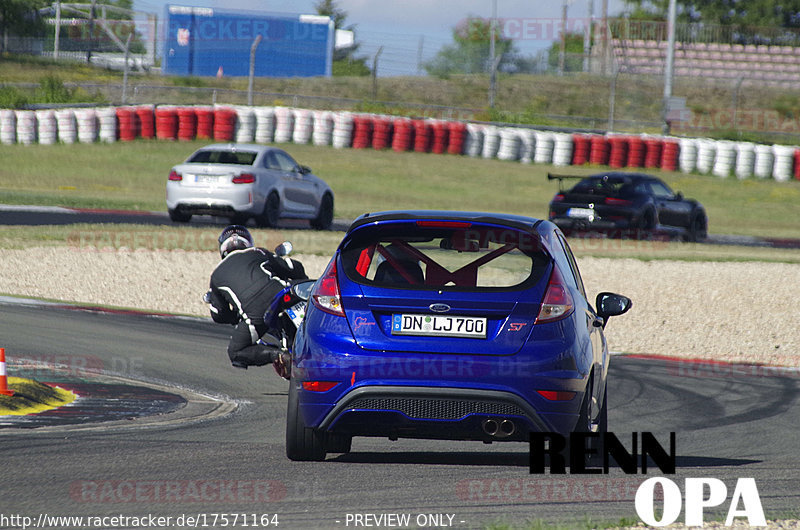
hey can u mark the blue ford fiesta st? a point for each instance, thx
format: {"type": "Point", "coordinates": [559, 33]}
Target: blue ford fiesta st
{"type": "Point", "coordinates": [448, 325]}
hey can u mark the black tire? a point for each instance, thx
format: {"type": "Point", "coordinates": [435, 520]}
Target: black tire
{"type": "Point", "coordinates": [324, 218]}
{"type": "Point", "coordinates": [585, 424]}
{"type": "Point", "coordinates": [272, 211]}
{"type": "Point", "coordinates": [240, 219]}
{"type": "Point", "coordinates": [697, 229]}
{"type": "Point", "coordinates": [338, 443]}
{"type": "Point", "coordinates": [648, 221]}
{"type": "Point", "coordinates": [177, 217]}
{"type": "Point", "coordinates": [303, 444]}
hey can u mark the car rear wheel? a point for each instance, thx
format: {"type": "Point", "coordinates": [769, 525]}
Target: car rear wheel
{"type": "Point", "coordinates": [272, 210]}
{"type": "Point", "coordinates": [697, 229]}
{"type": "Point", "coordinates": [302, 443]}
{"type": "Point", "coordinates": [324, 218]}
{"type": "Point", "coordinates": [178, 217]}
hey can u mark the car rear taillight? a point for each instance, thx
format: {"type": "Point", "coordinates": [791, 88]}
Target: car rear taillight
{"type": "Point", "coordinates": [558, 198]}
{"type": "Point", "coordinates": [244, 178]}
{"type": "Point", "coordinates": [175, 176]}
{"type": "Point", "coordinates": [556, 395]}
{"type": "Point", "coordinates": [557, 303]}
{"type": "Point", "coordinates": [326, 292]}
{"type": "Point", "coordinates": [319, 386]}
{"type": "Point", "coordinates": [613, 201]}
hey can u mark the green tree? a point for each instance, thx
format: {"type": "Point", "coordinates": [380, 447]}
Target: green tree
{"type": "Point", "coordinates": [345, 63]}
{"type": "Point", "coordinates": [763, 13]}
{"type": "Point", "coordinates": [470, 51]}
{"type": "Point", "coordinates": [573, 62]}
{"type": "Point", "coordinates": [20, 18]}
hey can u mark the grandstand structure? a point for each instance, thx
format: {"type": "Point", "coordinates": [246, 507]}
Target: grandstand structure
{"type": "Point", "coordinates": [751, 54]}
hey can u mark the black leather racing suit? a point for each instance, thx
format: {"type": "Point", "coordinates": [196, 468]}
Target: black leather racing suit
{"type": "Point", "coordinates": [242, 288]}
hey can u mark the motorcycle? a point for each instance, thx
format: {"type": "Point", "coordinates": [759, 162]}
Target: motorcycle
{"type": "Point", "coordinates": [286, 312]}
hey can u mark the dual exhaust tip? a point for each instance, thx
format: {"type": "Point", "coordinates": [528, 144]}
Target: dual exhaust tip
{"type": "Point", "coordinates": [499, 428]}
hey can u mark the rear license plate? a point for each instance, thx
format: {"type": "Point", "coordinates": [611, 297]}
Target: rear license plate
{"type": "Point", "coordinates": [296, 313]}
{"type": "Point", "coordinates": [439, 326]}
{"type": "Point", "coordinates": [206, 179]}
{"type": "Point", "coordinates": [581, 213]}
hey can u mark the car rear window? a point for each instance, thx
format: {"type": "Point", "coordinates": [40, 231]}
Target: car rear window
{"type": "Point", "coordinates": [444, 256]}
{"type": "Point", "coordinates": [239, 158]}
{"type": "Point", "coordinates": [605, 186]}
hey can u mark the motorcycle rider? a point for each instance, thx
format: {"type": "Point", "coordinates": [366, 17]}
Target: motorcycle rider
{"type": "Point", "coordinates": [243, 285]}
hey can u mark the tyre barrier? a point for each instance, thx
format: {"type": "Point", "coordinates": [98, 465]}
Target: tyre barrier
{"type": "Point", "coordinates": [67, 126]}
{"type": "Point", "coordinates": [687, 158]}
{"type": "Point", "coordinates": [187, 124]}
{"type": "Point", "coordinates": [562, 149]}
{"type": "Point", "coordinates": [509, 143]}
{"type": "Point", "coordinates": [362, 131]}
{"type": "Point", "coordinates": [343, 129]}
{"type": "Point", "coordinates": [245, 129]}
{"type": "Point", "coordinates": [764, 161]}
{"type": "Point", "coordinates": [543, 153]}
{"type": "Point", "coordinates": [670, 154]}
{"type": "Point", "coordinates": [600, 150]}
{"type": "Point", "coordinates": [457, 132]}
{"type": "Point", "coordinates": [745, 160]}
{"type": "Point", "coordinates": [26, 127]}
{"type": "Point", "coordinates": [725, 159]}
{"type": "Point", "coordinates": [86, 120]}
{"type": "Point", "coordinates": [636, 151]}
{"type": "Point", "coordinates": [422, 136]}
{"type": "Point", "coordinates": [653, 148]}
{"type": "Point", "coordinates": [224, 124]}
{"type": "Point", "coordinates": [797, 164]}
{"type": "Point", "coordinates": [265, 125]}
{"type": "Point", "coordinates": [46, 127]}
{"type": "Point", "coordinates": [783, 165]}
{"type": "Point", "coordinates": [581, 148]}
{"type": "Point", "coordinates": [439, 137]}
{"type": "Point", "coordinates": [303, 126]}
{"type": "Point", "coordinates": [8, 127]}
{"type": "Point", "coordinates": [491, 142]}
{"type": "Point", "coordinates": [166, 123]}
{"type": "Point", "coordinates": [403, 136]}
{"type": "Point", "coordinates": [473, 142]}
{"type": "Point", "coordinates": [381, 132]}
{"type": "Point", "coordinates": [127, 124]}
{"type": "Point", "coordinates": [706, 151]}
{"type": "Point", "coordinates": [618, 151]}
{"type": "Point", "coordinates": [323, 128]}
{"type": "Point", "coordinates": [147, 121]}
{"type": "Point", "coordinates": [284, 125]}
{"type": "Point", "coordinates": [527, 148]}
{"type": "Point", "coordinates": [205, 122]}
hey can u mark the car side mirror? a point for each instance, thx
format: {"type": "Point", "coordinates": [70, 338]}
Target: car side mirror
{"type": "Point", "coordinates": [679, 196]}
{"type": "Point", "coordinates": [284, 249]}
{"type": "Point", "coordinates": [611, 305]}
{"type": "Point", "coordinates": [303, 170]}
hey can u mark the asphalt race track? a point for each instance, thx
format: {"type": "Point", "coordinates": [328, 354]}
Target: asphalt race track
{"type": "Point", "coordinates": [729, 423]}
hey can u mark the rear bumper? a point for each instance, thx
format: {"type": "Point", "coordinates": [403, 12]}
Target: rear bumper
{"type": "Point", "coordinates": [212, 201]}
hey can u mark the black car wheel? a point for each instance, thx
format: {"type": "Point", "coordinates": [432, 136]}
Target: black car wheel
{"type": "Point", "coordinates": [272, 210]}
{"type": "Point", "coordinates": [302, 443]}
{"type": "Point", "coordinates": [697, 229]}
{"type": "Point", "coordinates": [648, 220]}
{"type": "Point", "coordinates": [177, 217]}
{"type": "Point", "coordinates": [324, 218]}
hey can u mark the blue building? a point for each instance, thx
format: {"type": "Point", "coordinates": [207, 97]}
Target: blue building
{"type": "Point", "coordinates": [204, 41]}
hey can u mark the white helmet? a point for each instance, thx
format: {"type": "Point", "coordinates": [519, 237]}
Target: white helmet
{"type": "Point", "coordinates": [234, 237]}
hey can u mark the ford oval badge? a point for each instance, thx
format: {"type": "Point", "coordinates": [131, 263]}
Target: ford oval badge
{"type": "Point", "coordinates": [439, 308]}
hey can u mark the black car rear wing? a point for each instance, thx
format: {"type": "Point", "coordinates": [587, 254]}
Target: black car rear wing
{"type": "Point", "coordinates": [561, 178]}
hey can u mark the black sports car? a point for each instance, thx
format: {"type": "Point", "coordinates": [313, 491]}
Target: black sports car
{"type": "Point", "coordinates": [626, 204]}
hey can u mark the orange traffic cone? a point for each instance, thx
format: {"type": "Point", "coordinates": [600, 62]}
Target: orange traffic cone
{"type": "Point", "coordinates": [4, 391]}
